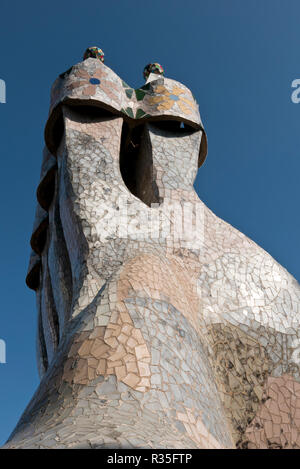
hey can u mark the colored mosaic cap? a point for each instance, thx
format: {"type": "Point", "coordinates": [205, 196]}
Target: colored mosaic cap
{"type": "Point", "coordinates": [95, 53]}
{"type": "Point", "coordinates": [153, 68]}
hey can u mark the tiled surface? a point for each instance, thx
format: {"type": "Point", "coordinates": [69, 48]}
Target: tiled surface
{"type": "Point", "coordinates": [95, 84]}
{"type": "Point", "coordinates": [144, 341]}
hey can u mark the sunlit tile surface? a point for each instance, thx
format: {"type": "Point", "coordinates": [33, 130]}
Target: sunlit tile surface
{"type": "Point", "coordinates": [150, 335]}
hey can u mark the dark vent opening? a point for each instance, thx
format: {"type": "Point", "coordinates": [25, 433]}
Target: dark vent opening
{"type": "Point", "coordinates": [45, 190]}
{"type": "Point", "coordinates": [33, 277]}
{"type": "Point", "coordinates": [129, 154]}
{"type": "Point", "coordinates": [89, 111]}
{"type": "Point", "coordinates": [136, 164]}
{"type": "Point", "coordinates": [42, 343]}
{"type": "Point", "coordinates": [173, 126]}
{"type": "Point", "coordinates": [39, 237]}
{"type": "Point", "coordinates": [56, 325]}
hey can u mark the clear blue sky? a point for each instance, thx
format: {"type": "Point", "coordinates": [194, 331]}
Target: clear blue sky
{"type": "Point", "coordinates": [239, 58]}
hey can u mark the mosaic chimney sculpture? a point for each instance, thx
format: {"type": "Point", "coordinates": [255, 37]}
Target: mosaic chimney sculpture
{"type": "Point", "coordinates": [159, 324]}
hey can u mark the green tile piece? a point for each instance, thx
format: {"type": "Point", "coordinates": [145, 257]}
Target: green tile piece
{"type": "Point", "coordinates": [129, 92]}
{"type": "Point", "coordinates": [139, 113]}
{"type": "Point", "coordinates": [139, 94]}
{"type": "Point", "coordinates": [129, 112]}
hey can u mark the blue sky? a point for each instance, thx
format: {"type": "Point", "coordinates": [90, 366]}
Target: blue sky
{"type": "Point", "coordinates": [238, 57]}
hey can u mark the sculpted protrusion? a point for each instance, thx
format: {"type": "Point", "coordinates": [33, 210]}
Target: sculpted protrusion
{"type": "Point", "coordinates": [159, 324]}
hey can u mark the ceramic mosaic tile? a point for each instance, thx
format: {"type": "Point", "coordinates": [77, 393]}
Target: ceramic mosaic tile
{"type": "Point", "coordinates": [159, 324]}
